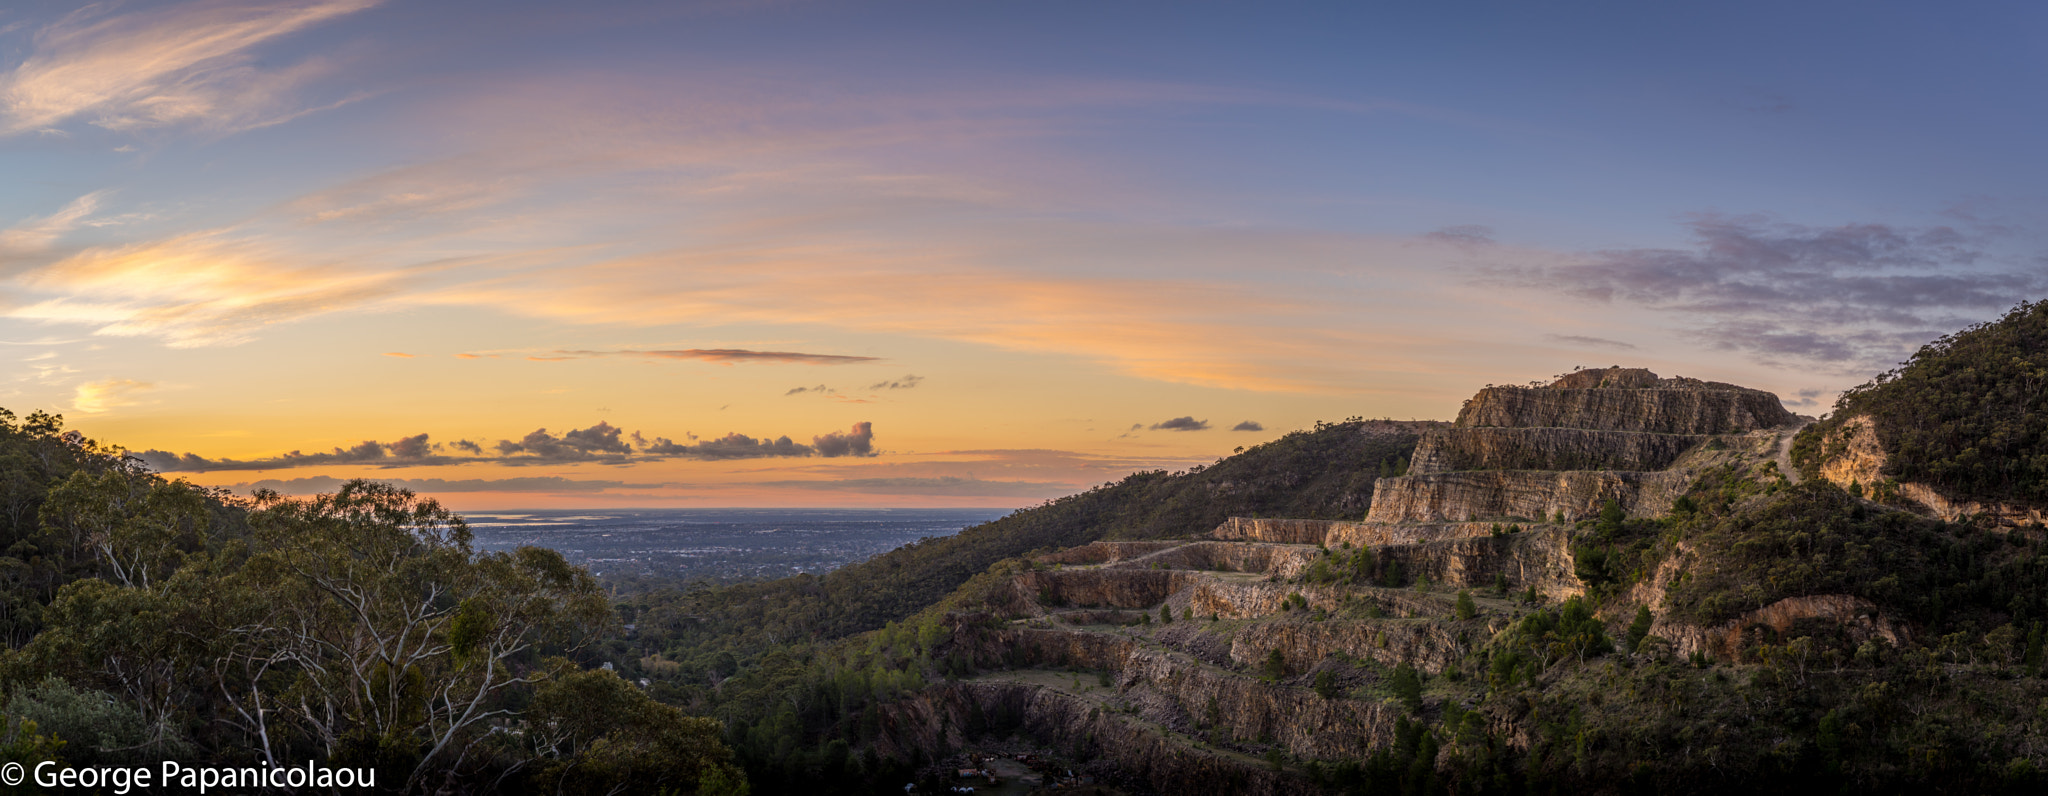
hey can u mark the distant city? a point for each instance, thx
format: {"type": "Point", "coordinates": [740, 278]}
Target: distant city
{"type": "Point", "coordinates": [718, 544]}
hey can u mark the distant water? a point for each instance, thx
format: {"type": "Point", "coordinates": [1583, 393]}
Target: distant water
{"type": "Point", "coordinates": [719, 544]}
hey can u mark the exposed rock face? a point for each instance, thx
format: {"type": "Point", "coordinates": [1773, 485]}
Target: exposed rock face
{"type": "Point", "coordinates": [1859, 458]}
{"type": "Point", "coordinates": [1528, 453]}
{"type": "Point", "coordinates": [1858, 618]}
{"type": "Point", "coordinates": [1286, 561]}
{"type": "Point", "coordinates": [1525, 495]}
{"type": "Point", "coordinates": [1174, 690]}
{"type": "Point", "coordinates": [1279, 531]}
{"type": "Point", "coordinates": [1541, 557]}
{"type": "Point", "coordinates": [1332, 533]}
{"type": "Point", "coordinates": [1428, 646]}
{"type": "Point", "coordinates": [1447, 450]}
{"type": "Point", "coordinates": [1628, 400]}
{"type": "Point", "coordinates": [1105, 552]}
{"type": "Point", "coordinates": [1080, 726]}
{"type": "Point", "coordinates": [1110, 588]}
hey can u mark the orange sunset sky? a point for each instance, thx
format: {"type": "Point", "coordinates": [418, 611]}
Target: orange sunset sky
{"type": "Point", "coordinates": [539, 255]}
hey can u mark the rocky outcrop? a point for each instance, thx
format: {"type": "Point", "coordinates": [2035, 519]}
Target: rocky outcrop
{"type": "Point", "coordinates": [1335, 533]}
{"type": "Point", "coordinates": [1083, 728]}
{"type": "Point", "coordinates": [1104, 588]}
{"type": "Point", "coordinates": [1530, 453]}
{"type": "Point", "coordinates": [1655, 411]}
{"type": "Point", "coordinates": [1104, 552]}
{"type": "Point", "coordinates": [1627, 399]}
{"type": "Point", "coordinates": [1541, 558]}
{"type": "Point", "coordinates": [1430, 646]}
{"type": "Point", "coordinates": [1524, 495]}
{"type": "Point", "coordinates": [1179, 692]}
{"type": "Point", "coordinates": [1277, 531]}
{"type": "Point", "coordinates": [1855, 617]}
{"type": "Point", "coordinates": [1447, 450]}
{"type": "Point", "coordinates": [1855, 456]}
{"type": "Point", "coordinates": [1285, 561]}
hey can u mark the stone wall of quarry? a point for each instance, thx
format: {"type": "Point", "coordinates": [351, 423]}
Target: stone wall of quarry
{"type": "Point", "coordinates": [1080, 727]}
{"type": "Point", "coordinates": [1286, 561]}
{"type": "Point", "coordinates": [1522, 495]}
{"type": "Point", "coordinates": [1657, 411]}
{"type": "Point", "coordinates": [1855, 617]}
{"type": "Point", "coordinates": [1860, 459]}
{"type": "Point", "coordinates": [1540, 557]}
{"type": "Point", "coordinates": [1334, 533]}
{"type": "Point", "coordinates": [1429, 646]}
{"type": "Point", "coordinates": [1104, 588]}
{"type": "Point", "coordinates": [1104, 552]}
{"type": "Point", "coordinates": [1175, 690]}
{"type": "Point", "coordinates": [1452, 449]}
{"type": "Point", "coordinates": [1247, 529]}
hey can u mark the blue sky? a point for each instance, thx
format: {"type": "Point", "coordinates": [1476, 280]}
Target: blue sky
{"type": "Point", "coordinates": [237, 230]}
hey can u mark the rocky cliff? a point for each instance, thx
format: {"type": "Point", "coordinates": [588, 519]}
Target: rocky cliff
{"type": "Point", "coordinates": [1628, 400]}
{"type": "Point", "coordinates": [1523, 495]}
{"type": "Point", "coordinates": [1853, 456]}
{"type": "Point", "coordinates": [1447, 450]}
{"type": "Point", "coordinates": [1533, 453]}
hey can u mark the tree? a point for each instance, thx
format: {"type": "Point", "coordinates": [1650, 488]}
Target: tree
{"type": "Point", "coordinates": [1275, 666]}
{"type": "Point", "coordinates": [1639, 629]}
{"type": "Point", "coordinates": [364, 622]}
{"type": "Point", "coordinates": [1407, 686]}
{"type": "Point", "coordinates": [1466, 609]}
{"type": "Point", "coordinates": [595, 733]}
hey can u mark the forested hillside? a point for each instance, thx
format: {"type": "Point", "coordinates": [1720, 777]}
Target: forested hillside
{"type": "Point", "coordinates": [151, 620]}
{"type": "Point", "coordinates": [1968, 414]}
{"type": "Point", "coordinates": [1324, 473]}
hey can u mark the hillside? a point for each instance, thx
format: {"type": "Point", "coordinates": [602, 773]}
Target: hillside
{"type": "Point", "coordinates": [1959, 429]}
{"type": "Point", "coordinates": [151, 620]}
{"type": "Point", "coordinates": [1327, 472]}
{"type": "Point", "coordinates": [1601, 585]}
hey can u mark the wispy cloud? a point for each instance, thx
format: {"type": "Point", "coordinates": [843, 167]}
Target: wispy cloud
{"type": "Point", "coordinates": [953, 486]}
{"type": "Point", "coordinates": [1848, 297]}
{"type": "Point", "coordinates": [188, 63]}
{"type": "Point", "coordinates": [101, 396]}
{"type": "Point", "coordinates": [904, 383]}
{"type": "Point", "coordinates": [722, 356]}
{"type": "Point", "coordinates": [1593, 342]}
{"type": "Point", "coordinates": [38, 233]}
{"type": "Point", "coordinates": [208, 288]}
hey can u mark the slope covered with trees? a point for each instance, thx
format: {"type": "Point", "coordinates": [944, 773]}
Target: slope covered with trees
{"type": "Point", "coordinates": [1324, 473]}
{"type": "Point", "coordinates": [152, 620]}
{"type": "Point", "coordinates": [1968, 414]}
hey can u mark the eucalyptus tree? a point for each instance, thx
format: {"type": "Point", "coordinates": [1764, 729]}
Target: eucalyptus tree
{"type": "Point", "coordinates": [364, 624]}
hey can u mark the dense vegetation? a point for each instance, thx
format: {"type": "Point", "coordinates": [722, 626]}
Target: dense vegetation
{"type": "Point", "coordinates": [1968, 414]}
{"type": "Point", "coordinates": [152, 620]}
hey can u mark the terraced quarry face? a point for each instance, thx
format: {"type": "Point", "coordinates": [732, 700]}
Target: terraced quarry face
{"type": "Point", "coordinates": [1193, 662]}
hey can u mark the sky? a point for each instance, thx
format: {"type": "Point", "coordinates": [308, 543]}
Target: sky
{"type": "Point", "coordinates": [782, 253]}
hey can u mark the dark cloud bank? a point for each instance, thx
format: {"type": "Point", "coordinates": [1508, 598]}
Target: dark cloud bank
{"type": "Point", "coordinates": [601, 444]}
